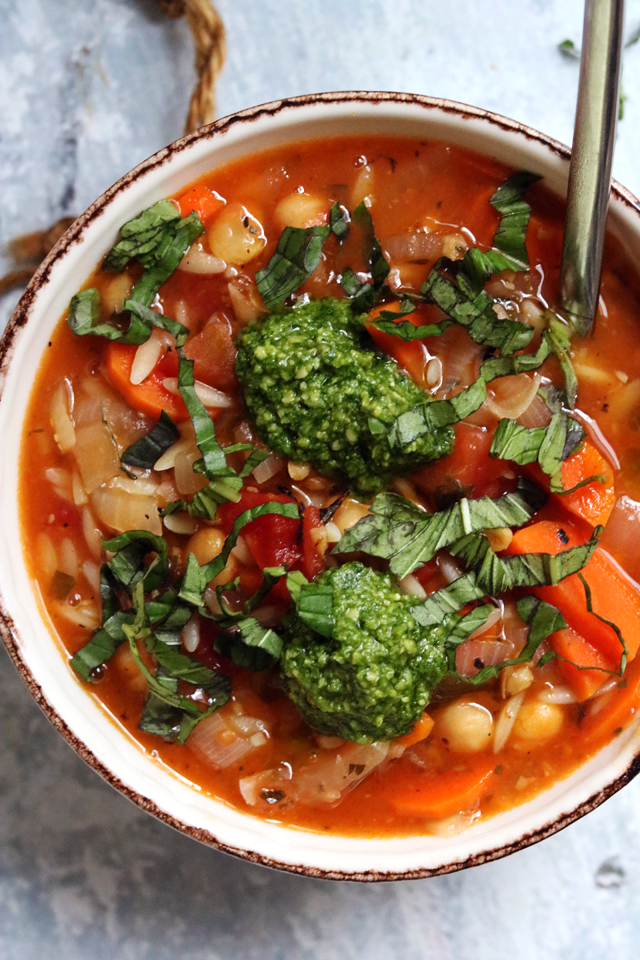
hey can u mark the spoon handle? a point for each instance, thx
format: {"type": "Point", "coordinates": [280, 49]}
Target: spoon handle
{"type": "Point", "coordinates": [591, 156]}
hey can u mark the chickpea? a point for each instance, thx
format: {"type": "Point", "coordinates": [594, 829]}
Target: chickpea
{"type": "Point", "coordinates": [538, 721]}
{"type": "Point", "coordinates": [302, 210]}
{"type": "Point", "coordinates": [206, 544]}
{"type": "Point", "coordinates": [467, 726]}
{"type": "Point", "coordinates": [236, 235]}
{"type": "Point", "coordinates": [348, 514]}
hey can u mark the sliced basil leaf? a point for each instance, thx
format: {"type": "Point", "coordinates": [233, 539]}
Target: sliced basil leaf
{"type": "Point", "coordinates": [250, 645]}
{"type": "Point", "coordinates": [297, 255]}
{"type": "Point", "coordinates": [205, 502]}
{"type": "Point", "coordinates": [475, 314]}
{"type": "Point", "coordinates": [313, 603]}
{"type": "Point", "coordinates": [146, 451]}
{"type": "Point", "coordinates": [215, 464]}
{"type": "Point", "coordinates": [141, 236]}
{"type": "Point", "coordinates": [339, 221]}
{"type": "Point", "coordinates": [432, 415]}
{"type": "Point", "coordinates": [492, 575]}
{"type": "Point", "coordinates": [463, 627]}
{"type": "Point", "coordinates": [166, 257]}
{"type": "Point", "coordinates": [102, 645]}
{"type": "Point", "coordinates": [398, 531]}
{"type": "Point", "coordinates": [366, 295]}
{"type": "Point", "coordinates": [550, 446]}
{"type": "Point", "coordinates": [159, 717]}
{"type": "Point", "coordinates": [128, 566]}
{"type": "Point", "coordinates": [406, 330]}
{"type": "Point", "coordinates": [559, 334]}
{"type": "Point", "coordinates": [515, 213]}
{"type": "Point", "coordinates": [255, 458]}
{"type": "Point", "coordinates": [152, 318]}
{"type": "Point", "coordinates": [196, 577]}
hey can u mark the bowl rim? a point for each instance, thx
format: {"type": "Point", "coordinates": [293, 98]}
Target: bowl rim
{"type": "Point", "coordinates": [19, 318]}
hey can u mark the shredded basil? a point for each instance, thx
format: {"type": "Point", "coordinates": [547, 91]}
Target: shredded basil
{"type": "Point", "coordinates": [398, 531]}
{"type": "Point", "coordinates": [515, 213]}
{"type": "Point", "coordinates": [250, 645]}
{"type": "Point", "coordinates": [157, 238]}
{"type": "Point", "coordinates": [128, 566]}
{"type": "Point", "coordinates": [365, 295]}
{"type": "Point", "coordinates": [297, 255]}
{"type": "Point", "coordinates": [492, 575]}
{"type": "Point", "coordinates": [474, 313]}
{"type": "Point", "coordinates": [313, 603]}
{"type": "Point", "coordinates": [152, 318]}
{"type": "Point", "coordinates": [559, 334]}
{"type": "Point", "coordinates": [550, 446]}
{"type": "Point", "coordinates": [102, 645]}
{"type": "Point", "coordinates": [146, 451]}
{"type": "Point", "coordinates": [85, 317]}
{"type": "Point", "coordinates": [213, 458]}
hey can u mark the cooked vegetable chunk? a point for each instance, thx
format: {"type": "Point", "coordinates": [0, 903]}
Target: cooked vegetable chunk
{"type": "Point", "coordinates": [319, 393]}
{"type": "Point", "coordinates": [373, 680]}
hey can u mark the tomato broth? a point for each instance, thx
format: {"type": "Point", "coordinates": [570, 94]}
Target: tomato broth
{"type": "Point", "coordinates": [476, 750]}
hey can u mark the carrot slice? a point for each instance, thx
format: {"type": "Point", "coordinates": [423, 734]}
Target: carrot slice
{"type": "Point", "coordinates": [205, 201]}
{"type": "Point", "coordinates": [444, 794]}
{"type": "Point", "coordinates": [619, 710]}
{"type": "Point", "coordinates": [581, 655]}
{"type": "Point", "coordinates": [421, 731]}
{"type": "Point", "coordinates": [612, 595]}
{"type": "Point", "coordinates": [593, 502]}
{"type": "Point", "coordinates": [150, 396]}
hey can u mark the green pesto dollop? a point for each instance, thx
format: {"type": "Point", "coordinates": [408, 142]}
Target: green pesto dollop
{"type": "Point", "coordinates": [319, 393]}
{"type": "Point", "coordinates": [374, 678]}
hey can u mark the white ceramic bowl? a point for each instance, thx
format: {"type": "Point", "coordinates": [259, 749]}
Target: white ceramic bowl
{"type": "Point", "coordinates": [70, 705]}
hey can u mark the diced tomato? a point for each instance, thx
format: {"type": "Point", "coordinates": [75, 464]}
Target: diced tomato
{"type": "Point", "coordinates": [312, 562]}
{"type": "Point", "coordinates": [214, 353]}
{"type": "Point", "coordinates": [272, 540]}
{"type": "Point", "coordinates": [468, 469]}
{"type": "Point", "coordinates": [150, 396]}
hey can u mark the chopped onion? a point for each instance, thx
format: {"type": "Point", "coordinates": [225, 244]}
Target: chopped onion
{"type": "Point", "coordinates": [506, 719]}
{"type": "Point", "coordinates": [123, 505]}
{"type": "Point", "coordinates": [242, 553]}
{"type": "Point", "coordinates": [329, 775]}
{"type": "Point", "coordinates": [621, 535]}
{"type": "Point", "coordinates": [492, 619]}
{"type": "Point", "coordinates": [487, 652]}
{"type": "Point", "coordinates": [197, 260]}
{"type": "Point", "coordinates": [412, 587]}
{"type": "Point", "coordinates": [268, 468]}
{"type": "Point", "coordinates": [96, 455]}
{"type": "Point", "coordinates": [449, 568]}
{"type": "Point", "coordinates": [78, 491]}
{"type": "Point", "coordinates": [218, 741]}
{"type": "Point", "coordinates": [46, 556]}
{"type": "Point", "coordinates": [537, 414]}
{"type": "Point", "coordinates": [269, 781]}
{"type": "Point", "coordinates": [419, 245]}
{"type": "Point", "coordinates": [187, 480]}
{"type": "Point", "coordinates": [209, 396]}
{"type": "Point", "coordinates": [267, 616]}
{"type": "Point", "coordinates": [92, 573]}
{"type": "Point", "coordinates": [511, 396]}
{"type": "Point", "coordinates": [85, 614]}
{"type": "Point", "coordinates": [60, 417]}
{"type": "Point", "coordinates": [68, 558]}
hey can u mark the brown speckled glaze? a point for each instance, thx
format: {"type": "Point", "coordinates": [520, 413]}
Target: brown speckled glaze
{"type": "Point", "coordinates": [21, 316]}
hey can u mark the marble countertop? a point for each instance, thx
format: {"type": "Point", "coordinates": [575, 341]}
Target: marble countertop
{"type": "Point", "coordinates": [87, 91]}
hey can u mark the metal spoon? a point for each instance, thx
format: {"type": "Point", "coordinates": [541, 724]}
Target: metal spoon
{"type": "Point", "coordinates": [591, 156]}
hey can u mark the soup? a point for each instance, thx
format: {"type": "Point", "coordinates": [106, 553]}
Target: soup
{"type": "Point", "coordinates": [328, 506]}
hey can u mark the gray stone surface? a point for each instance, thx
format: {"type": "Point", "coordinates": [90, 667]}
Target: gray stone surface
{"type": "Point", "coordinates": [87, 90]}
